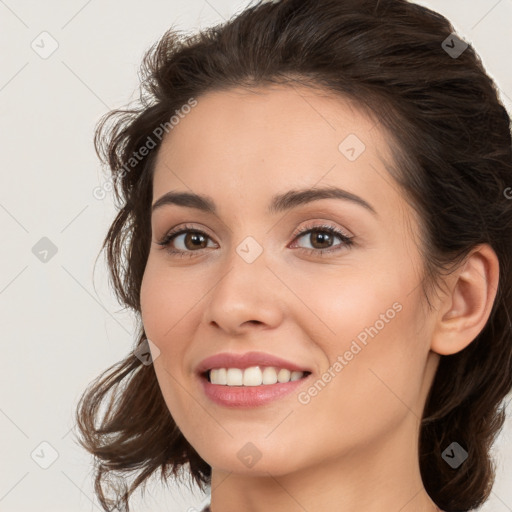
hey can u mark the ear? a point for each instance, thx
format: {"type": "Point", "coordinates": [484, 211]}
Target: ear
{"type": "Point", "coordinates": [465, 309]}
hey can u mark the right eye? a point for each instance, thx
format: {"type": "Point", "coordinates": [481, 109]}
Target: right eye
{"type": "Point", "coordinates": [192, 240]}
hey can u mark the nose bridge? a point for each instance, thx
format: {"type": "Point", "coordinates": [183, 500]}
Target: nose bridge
{"type": "Point", "coordinates": [244, 291]}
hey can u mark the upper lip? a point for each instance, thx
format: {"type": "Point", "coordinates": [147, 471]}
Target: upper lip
{"type": "Point", "coordinates": [242, 361]}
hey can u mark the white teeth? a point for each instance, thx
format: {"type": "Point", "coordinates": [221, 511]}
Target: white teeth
{"type": "Point", "coordinates": [252, 376]}
{"type": "Point", "coordinates": [269, 375]}
{"type": "Point", "coordinates": [220, 376]}
{"type": "Point", "coordinates": [235, 377]}
{"type": "Point", "coordinates": [284, 375]}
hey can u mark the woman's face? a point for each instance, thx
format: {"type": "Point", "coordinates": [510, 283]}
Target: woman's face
{"type": "Point", "coordinates": [354, 317]}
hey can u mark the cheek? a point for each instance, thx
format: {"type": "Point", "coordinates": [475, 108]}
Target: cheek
{"type": "Point", "coordinates": [159, 312]}
{"type": "Point", "coordinates": [171, 301]}
{"type": "Point", "coordinates": [152, 302]}
{"type": "Point", "coordinates": [349, 304]}
{"type": "Point", "coordinates": [165, 299]}
{"type": "Point", "coordinates": [163, 304]}
{"type": "Point", "coordinates": [380, 375]}
{"type": "Point", "coordinates": [369, 325]}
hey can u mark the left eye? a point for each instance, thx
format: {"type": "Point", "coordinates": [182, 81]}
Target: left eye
{"type": "Point", "coordinates": [324, 235]}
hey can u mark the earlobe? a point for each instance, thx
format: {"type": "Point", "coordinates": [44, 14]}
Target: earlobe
{"type": "Point", "coordinates": [468, 304]}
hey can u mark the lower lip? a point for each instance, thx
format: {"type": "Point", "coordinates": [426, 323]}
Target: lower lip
{"type": "Point", "coordinates": [248, 396]}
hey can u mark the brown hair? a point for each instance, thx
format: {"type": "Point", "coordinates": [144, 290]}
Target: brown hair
{"type": "Point", "coordinates": [451, 141]}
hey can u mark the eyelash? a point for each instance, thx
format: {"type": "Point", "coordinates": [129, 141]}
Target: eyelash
{"type": "Point", "coordinates": [346, 241]}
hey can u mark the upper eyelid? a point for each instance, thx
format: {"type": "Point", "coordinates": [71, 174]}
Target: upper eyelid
{"type": "Point", "coordinates": [323, 213]}
{"type": "Point", "coordinates": [311, 225]}
{"type": "Point", "coordinates": [319, 225]}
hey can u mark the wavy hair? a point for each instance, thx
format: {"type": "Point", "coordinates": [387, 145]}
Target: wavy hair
{"type": "Point", "coordinates": [450, 138]}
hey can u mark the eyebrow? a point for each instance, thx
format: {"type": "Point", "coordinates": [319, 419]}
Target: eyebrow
{"type": "Point", "coordinates": [279, 203]}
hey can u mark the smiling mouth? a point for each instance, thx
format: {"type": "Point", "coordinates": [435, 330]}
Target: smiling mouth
{"type": "Point", "coordinates": [252, 376]}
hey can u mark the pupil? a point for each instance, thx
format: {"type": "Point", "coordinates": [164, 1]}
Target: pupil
{"type": "Point", "coordinates": [323, 237]}
{"type": "Point", "coordinates": [195, 237]}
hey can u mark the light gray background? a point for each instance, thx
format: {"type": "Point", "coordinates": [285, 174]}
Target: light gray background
{"type": "Point", "coordinates": [60, 324]}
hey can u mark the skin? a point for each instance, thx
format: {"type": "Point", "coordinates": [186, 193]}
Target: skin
{"type": "Point", "coordinates": [354, 446]}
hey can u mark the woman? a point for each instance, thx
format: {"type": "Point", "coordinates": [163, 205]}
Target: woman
{"type": "Point", "coordinates": [314, 233]}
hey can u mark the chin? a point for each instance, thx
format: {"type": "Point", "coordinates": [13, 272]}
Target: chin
{"type": "Point", "coordinates": [260, 468]}
{"type": "Point", "coordinates": [247, 458]}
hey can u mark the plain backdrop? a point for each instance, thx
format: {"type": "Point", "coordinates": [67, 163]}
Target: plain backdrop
{"type": "Point", "coordinates": [61, 325]}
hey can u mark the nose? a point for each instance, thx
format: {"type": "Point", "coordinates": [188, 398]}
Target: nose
{"type": "Point", "coordinates": [246, 296]}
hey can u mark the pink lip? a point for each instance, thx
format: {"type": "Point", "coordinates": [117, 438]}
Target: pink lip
{"type": "Point", "coordinates": [248, 396]}
{"type": "Point", "coordinates": [242, 361]}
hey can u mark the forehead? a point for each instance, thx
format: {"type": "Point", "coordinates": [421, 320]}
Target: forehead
{"type": "Point", "coordinates": [254, 143]}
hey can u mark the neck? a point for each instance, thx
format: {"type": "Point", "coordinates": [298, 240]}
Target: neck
{"type": "Point", "coordinates": [378, 476]}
